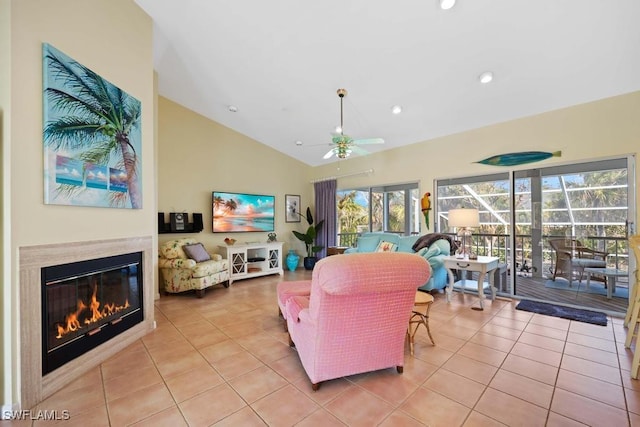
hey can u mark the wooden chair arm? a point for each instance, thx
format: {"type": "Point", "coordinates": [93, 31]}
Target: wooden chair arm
{"type": "Point", "coordinates": [592, 253]}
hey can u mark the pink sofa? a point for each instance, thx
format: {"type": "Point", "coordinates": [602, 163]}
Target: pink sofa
{"type": "Point", "coordinates": [356, 318]}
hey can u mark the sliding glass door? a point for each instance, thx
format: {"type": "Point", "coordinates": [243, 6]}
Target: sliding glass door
{"type": "Point", "coordinates": [585, 208]}
{"type": "Point", "coordinates": [572, 224]}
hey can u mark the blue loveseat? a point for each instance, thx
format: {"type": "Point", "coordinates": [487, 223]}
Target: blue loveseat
{"type": "Point", "coordinates": [434, 253]}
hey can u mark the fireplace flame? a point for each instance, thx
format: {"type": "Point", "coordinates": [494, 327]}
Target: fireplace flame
{"type": "Point", "coordinates": [94, 306]}
{"type": "Point", "coordinates": [72, 322]}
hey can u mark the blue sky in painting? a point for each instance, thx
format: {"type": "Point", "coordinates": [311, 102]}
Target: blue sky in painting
{"type": "Point", "coordinates": [250, 204]}
{"type": "Point", "coordinates": [96, 176]}
{"type": "Point", "coordinates": [68, 171]}
{"type": "Point", "coordinates": [117, 180]}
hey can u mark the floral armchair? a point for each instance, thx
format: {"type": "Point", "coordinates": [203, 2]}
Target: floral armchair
{"type": "Point", "coordinates": [356, 318]}
{"type": "Point", "coordinates": [185, 265]}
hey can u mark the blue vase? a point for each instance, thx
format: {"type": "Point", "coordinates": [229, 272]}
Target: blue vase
{"type": "Point", "coordinates": [292, 260]}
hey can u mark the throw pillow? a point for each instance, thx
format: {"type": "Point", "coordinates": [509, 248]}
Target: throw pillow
{"type": "Point", "coordinates": [385, 246]}
{"type": "Point", "coordinates": [196, 252]}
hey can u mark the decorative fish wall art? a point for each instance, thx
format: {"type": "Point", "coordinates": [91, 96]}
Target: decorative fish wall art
{"type": "Point", "coordinates": [512, 159]}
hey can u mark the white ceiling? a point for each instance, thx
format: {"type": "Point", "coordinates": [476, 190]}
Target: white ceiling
{"type": "Point", "coordinates": [280, 63]}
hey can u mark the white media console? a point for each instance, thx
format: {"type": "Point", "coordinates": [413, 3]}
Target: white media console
{"type": "Point", "coordinates": [247, 260]}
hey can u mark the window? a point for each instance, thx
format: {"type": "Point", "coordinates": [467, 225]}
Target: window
{"type": "Point", "coordinates": [392, 208]}
{"type": "Point", "coordinates": [490, 194]}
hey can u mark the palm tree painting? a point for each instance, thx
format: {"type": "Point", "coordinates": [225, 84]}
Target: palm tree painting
{"type": "Point", "coordinates": [92, 137]}
{"type": "Point", "coordinates": [233, 212]}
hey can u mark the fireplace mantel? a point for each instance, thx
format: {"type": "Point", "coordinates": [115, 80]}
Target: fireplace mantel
{"type": "Point", "coordinates": [34, 386]}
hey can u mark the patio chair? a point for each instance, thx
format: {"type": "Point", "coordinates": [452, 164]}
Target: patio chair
{"type": "Point", "coordinates": [632, 317]}
{"type": "Point", "coordinates": [572, 257]}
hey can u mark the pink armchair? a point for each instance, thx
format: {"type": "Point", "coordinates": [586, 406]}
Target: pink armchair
{"type": "Point", "coordinates": [356, 318]}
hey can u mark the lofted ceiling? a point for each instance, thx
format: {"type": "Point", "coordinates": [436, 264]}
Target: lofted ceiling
{"type": "Point", "coordinates": [280, 63]}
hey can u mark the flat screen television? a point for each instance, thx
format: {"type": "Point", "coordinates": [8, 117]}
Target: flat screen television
{"type": "Point", "coordinates": [238, 212]}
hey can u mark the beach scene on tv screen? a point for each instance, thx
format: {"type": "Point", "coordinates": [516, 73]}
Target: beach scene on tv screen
{"type": "Point", "coordinates": [242, 212]}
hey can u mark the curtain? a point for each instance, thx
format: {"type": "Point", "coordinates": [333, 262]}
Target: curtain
{"type": "Point", "coordinates": [325, 193]}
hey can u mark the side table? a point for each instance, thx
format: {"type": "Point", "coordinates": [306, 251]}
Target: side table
{"type": "Point", "coordinates": [423, 302]}
{"type": "Point", "coordinates": [482, 265]}
{"type": "Point", "coordinates": [336, 250]}
{"type": "Point", "coordinates": [609, 273]}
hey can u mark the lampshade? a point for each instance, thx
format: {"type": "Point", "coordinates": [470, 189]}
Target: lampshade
{"type": "Point", "coordinates": [465, 217]}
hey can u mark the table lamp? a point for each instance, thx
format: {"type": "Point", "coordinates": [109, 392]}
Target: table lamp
{"type": "Point", "coordinates": [464, 219]}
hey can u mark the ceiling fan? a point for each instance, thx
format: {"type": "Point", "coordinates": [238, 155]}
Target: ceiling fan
{"type": "Point", "coordinates": [344, 145]}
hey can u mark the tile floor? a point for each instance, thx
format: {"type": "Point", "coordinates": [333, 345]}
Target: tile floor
{"type": "Point", "coordinates": [223, 360]}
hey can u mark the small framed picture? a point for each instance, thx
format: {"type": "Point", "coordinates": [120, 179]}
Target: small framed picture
{"type": "Point", "coordinates": [292, 205]}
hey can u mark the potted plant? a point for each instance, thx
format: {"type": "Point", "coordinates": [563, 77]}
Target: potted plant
{"type": "Point", "coordinates": [309, 239]}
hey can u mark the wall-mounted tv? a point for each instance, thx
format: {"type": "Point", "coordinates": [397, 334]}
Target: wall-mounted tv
{"type": "Point", "coordinates": [236, 212]}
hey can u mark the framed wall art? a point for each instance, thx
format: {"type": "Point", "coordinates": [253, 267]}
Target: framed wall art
{"type": "Point", "coordinates": [236, 212]}
{"type": "Point", "coordinates": [292, 206]}
{"type": "Point", "coordinates": [92, 137]}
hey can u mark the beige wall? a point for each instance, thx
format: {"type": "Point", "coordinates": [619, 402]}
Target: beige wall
{"type": "Point", "coordinates": [600, 129]}
{"type": "Point", "coordinates": [114, 39]}
{"type": "Point", "coordinates": [197, 156]}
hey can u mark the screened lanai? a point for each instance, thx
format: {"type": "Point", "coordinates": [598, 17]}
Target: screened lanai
{"type": "Point", "coordinates": [584, 204]}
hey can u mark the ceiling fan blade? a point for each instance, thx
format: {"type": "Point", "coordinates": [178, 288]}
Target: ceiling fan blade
{"type": "Point", "coordinates": [358, 150]}
{"type": "Point", "coordinates": [328, 155]}
{"type": "Point", "coordinates": [367, 141]}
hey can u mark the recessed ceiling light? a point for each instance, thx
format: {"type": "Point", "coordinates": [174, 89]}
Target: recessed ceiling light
{"type": "Point", "coordinates": [485, 77]}
{"type": "Point", "coordinates": [233, 108]}
{"type": "Point", "coordinates": [396, 109]}
{"type": "Point", "coordinates": [338, 129]}
{"type": "Point", "coordinates": [298, 143]}
{"type": "Point", "coordinates": [447, 4]}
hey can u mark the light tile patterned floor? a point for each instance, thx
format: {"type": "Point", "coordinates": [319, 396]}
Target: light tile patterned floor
{"type": "Point", "coordinates": [223, 360]}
